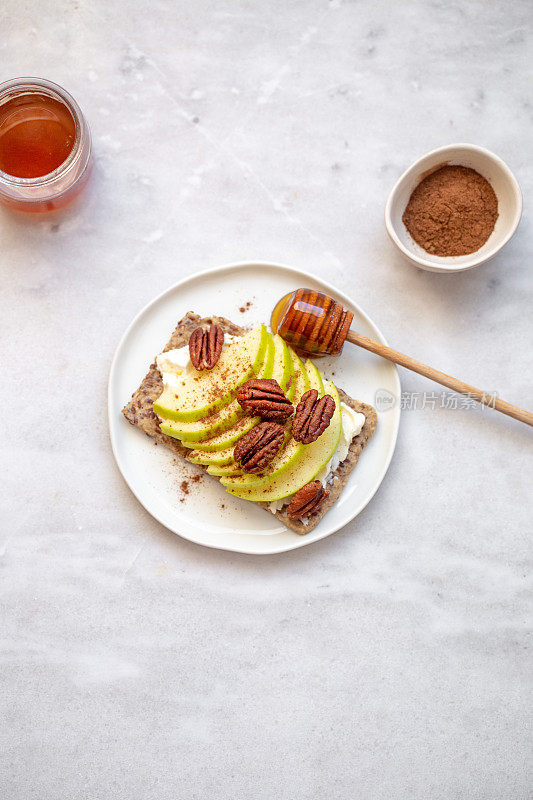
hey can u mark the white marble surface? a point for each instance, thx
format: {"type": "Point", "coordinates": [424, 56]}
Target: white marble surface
{"type": "Point", "coordinates": [388, 661]}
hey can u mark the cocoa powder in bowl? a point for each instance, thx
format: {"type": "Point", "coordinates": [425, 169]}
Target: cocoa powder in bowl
{"type": "Point", "coordinates": [452, 211]}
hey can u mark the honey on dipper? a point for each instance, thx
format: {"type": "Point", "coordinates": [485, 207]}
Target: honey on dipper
{"type": "Point", "coordinates": [313, 323]}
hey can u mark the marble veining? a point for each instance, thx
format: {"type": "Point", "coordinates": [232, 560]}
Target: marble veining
{"type": "Point", "coordinates": [388, 661]}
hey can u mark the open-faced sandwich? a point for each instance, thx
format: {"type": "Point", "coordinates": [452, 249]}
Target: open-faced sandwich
{"type": "Point", "coordinates": [243, 405]}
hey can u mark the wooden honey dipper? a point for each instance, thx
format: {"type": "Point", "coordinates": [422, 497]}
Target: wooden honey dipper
{"type": "Point", "coordinates": [314, 324]}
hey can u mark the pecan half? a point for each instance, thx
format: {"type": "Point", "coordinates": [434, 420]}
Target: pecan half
{"type": "Point", "coordinates": [264, 397]}
{"type": "Point", "coordinates": [307, 500]}
{"type": "Point", "coordinates": [312, 416]}
{"type": "Point", "coordinates": [257, 449]}
{"type": "Point", "coordinates": [205, 346]}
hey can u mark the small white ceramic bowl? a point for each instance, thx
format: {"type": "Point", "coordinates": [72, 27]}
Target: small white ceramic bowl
{"type": "Point", "coordinates": [487, 164]}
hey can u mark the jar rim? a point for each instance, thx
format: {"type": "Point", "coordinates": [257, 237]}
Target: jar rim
{"type": "Point", "coordinates": [18, 86]}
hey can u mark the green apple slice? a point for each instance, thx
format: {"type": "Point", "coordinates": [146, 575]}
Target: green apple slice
{"type": "Point", "coordinates": [195, 432]}
{"type": "Point", "coordinates": [220, 458]}
{"type": "Point", "coordinates": [222, 420]}
{"type": "Point", "coordinates": [227, 470]}
{"type": "Point", "coordinates": [316, 380]}
{"type": "Point", "coordinates": [285, 365]}
{"type": "Point", "coordinates": [292, 450]}
{"type": "Point", "coordinates": [268, 361]}
{"type": "Point", "coordinates": [203, 393]}
{"type": "Point", "coordinates": [204, 429]}
{"type": "Point", "coordinates": [314, 457]}
{"type": "Point", "coordinates": [225, 439]}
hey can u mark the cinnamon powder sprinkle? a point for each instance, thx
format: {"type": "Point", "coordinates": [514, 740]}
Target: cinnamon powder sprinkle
{"type": "Point", "coordinates": [452, 212]}
{"type": "Point", "coordinates": [186, 484]}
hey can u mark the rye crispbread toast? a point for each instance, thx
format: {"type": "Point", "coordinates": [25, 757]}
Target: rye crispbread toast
{"type": "Point", "coordinates": [139, 413]}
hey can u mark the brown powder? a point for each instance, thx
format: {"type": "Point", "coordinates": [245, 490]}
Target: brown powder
{"type": "Point", "coordinates": [186, 485]}
{"type": "Point", "coordinates": [452, 212]}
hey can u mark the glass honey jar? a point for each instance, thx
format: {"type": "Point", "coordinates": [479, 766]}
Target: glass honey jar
{"type": "Point", "coordinates": [45, 145]}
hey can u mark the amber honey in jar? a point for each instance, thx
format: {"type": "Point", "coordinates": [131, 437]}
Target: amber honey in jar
{"type": "Point", "coordinates": [45, 145]}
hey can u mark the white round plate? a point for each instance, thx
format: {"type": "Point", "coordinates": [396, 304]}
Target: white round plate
{"type": "Point", "coordinates": [208, 515]}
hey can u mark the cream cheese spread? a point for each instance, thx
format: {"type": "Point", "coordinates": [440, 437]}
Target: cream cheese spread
{"type": "Point", "coordinates": [171, 365]}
